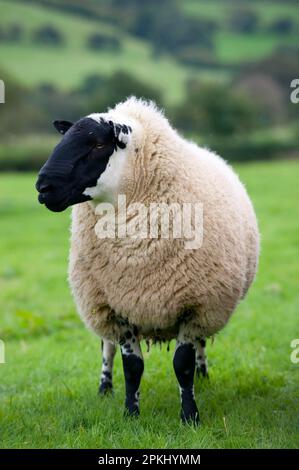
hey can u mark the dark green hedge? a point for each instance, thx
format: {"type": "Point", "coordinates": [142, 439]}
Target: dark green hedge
{"type": "Point", "coordinates": [251, 150]}
{"type": "Point", "coordinates": [30, 155]}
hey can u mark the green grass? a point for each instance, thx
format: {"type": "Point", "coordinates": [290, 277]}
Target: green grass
{"type": "Point", "coordinates": [236, 48]}
{"type": "Point", "coordinates": [49, 382]}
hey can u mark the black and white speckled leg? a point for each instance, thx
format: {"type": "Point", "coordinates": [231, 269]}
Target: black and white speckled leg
{"type": "Point", "coordinates": [133, 368]}
{"type": "Point", "coordinates": [201, 359]}
{"type": "Point", "coordinates": [184, 367]}
{"type": "Point", "coordinates": [108, 353]}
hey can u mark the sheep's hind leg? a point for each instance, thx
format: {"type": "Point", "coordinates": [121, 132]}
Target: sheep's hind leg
{"type": "Point", "coordinates": [201, 359]}
{"type": "Point", "coordinates": [133, 368]}
{"type": "Point", "coordinates": [108, 353]}
{"type": "Point", "coordinates": [184, 367]}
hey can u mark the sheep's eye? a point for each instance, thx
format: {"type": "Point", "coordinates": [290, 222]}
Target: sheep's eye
{"type": "Point", "coordinates": [100, 146]}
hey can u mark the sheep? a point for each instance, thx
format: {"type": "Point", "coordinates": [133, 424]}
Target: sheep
{"type": "Point", "coordinates": [127, 289]}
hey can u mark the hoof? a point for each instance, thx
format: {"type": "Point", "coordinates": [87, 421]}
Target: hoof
{"type": "Point", "coordinates": [191, 419]}
{"type": "Point", "coordinates": [189, 413]}
{"type": "Point", "coordinates": [106, 388]}
{"type": "Point", "coordinates": [202, 370]}
{"type": "Point", "coordinates": [132, 412]}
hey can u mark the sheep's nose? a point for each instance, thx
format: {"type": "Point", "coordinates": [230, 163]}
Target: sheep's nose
{"type": "Point", "coordinates": [44, 188]}
{"type": "Point", "coordinates": [43, 184]}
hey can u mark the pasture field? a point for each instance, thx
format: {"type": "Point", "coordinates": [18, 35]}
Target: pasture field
{"type": "Point", "coordinates": [49, 381]}
{"type": "Point", "coordinates": [233, 47]}
{"type": "Point", "coordinates": [218, 10]}
{"type": "Point", "coordinates": [30, 61]}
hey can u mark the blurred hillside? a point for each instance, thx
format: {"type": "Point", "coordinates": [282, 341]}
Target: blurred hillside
{"type": "Point", "coordinates": [221, 68]}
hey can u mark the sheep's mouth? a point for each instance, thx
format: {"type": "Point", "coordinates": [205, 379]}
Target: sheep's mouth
{"type": "Point", "coordinates": [57, 207]}
{"type": "Point", "coordinates": [54, 205]}
{"type": "Point", "coordinates": [60, 204]}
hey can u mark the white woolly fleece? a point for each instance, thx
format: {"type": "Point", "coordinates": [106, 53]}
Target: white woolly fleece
{"type": "Point", "coordinates": [154, 283]}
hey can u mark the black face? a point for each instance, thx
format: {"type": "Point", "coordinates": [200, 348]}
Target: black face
{"type": "Point", "coordinates": [77, 161]}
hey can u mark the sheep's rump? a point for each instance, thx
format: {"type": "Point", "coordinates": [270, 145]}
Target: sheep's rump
{"type": "Point", "coordinates": [156, 284]}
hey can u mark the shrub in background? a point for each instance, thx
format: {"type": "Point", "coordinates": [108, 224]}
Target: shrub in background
{"type": "Point", "coordinates": [244, 21]}
{"type": "Point", "coordinates": [11, 33]}
{"type": "Point", "coordinates": [48, 35]}
{"type": "Point", "coordinates": [215, 109]}
{"type": "Point", "coordinates": [98, 41]}
{"type": "Point", "coordinates": [282, 26]}
{"type": "Point", "coordinates": [103, 92]}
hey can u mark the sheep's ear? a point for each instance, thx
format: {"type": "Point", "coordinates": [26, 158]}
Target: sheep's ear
{"type": "Point", "coordinates": [62, 126]}
{"type": "Point", "coordinates": [121, 134]}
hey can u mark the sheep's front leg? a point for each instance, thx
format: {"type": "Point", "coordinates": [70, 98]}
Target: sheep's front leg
{"type": "Point", "coordinates": [108, 353]}
{"type": "Point", "coordinates": [184, 367]}
{"type": "Point", "coordinates": [133, 368]}
{"type": "Point", "coordinates": [201, 359]}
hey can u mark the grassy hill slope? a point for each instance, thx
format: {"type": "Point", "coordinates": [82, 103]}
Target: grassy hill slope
{"type": "Point", "coordinates": [235, 47]}
{"type": "Point", "coordinates": [67, 65]}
